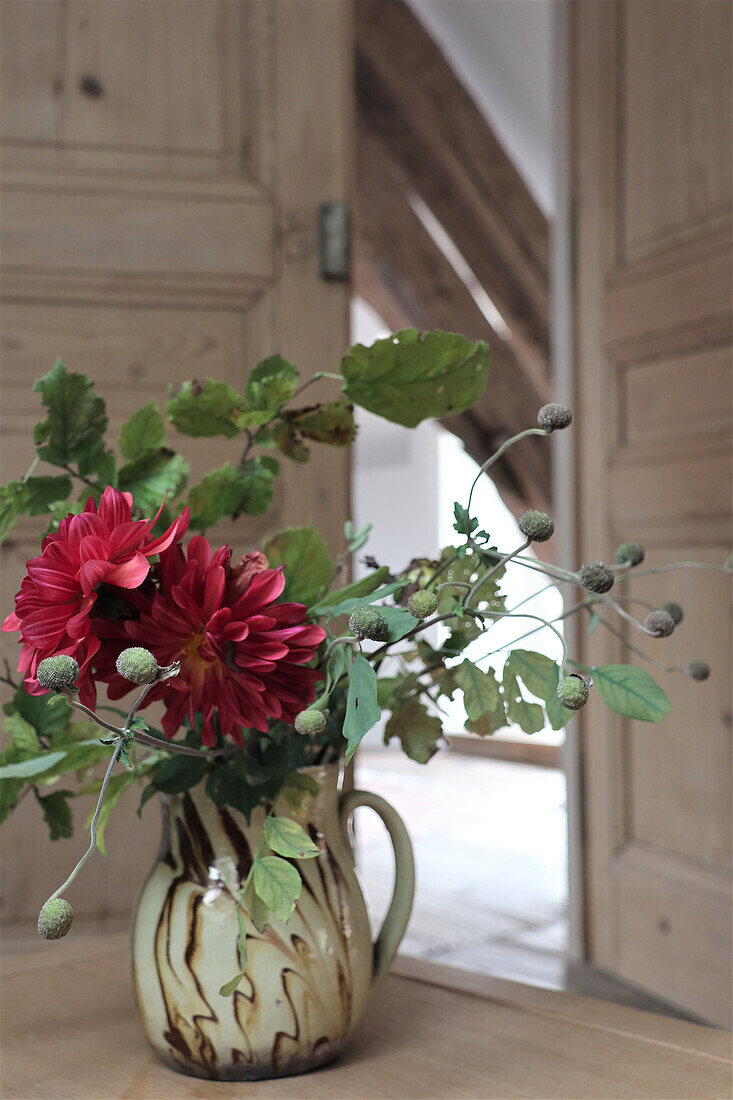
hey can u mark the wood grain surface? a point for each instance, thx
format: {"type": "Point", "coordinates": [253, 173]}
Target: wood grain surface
{"type": "Point", "coordinates": [70, 1032]}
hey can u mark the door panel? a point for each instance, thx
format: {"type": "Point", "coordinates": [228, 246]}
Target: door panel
{"type": "Point", "coordinates": [651, 100]}
{"type": "Point", "coordinates": [163, 167]}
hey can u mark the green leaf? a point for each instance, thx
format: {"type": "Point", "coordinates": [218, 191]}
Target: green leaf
{"type": "Point", "coordinates": [271, 384]}
{"type": "Point", "coordinates": [258, 912]}
{"type": "Point", "coordinates": [10, 789]}
{"type": "Point", "coordinates": [348, 604]}
{"type": "Point", "coordinates": [205, 409]}
{"type": "Point", "coordinates": [540, 675]}
{"type": "Point", "coordinates": [230, 987]}
{"type": "Point", "coordinates": [308, 563]}
{"type": "Point", "coordinates": [117, 786]}
{"type": "Point", "coordinates": [417, 730]}
{"type": "Point", "coordinates": [57, 814]}
{"type": "Point", "coordinates": [179, 773]}
{"type": "Point", "coordinates": [489, 723]}
{"type": "Point", "coordinates": [144, 431]}
{"type": "Point", "coordinates": [362, 708]}
{"type": "Point", "coordinates": [241, 940]}
{"type": "Point", "coordinates": [259, 474]}
{"type": "Point", "coordinates": [332, 423]}
{"type": "Point", "coordinates": [297, 789]}
{"type": "Point", "coordinates": [36, 765]}
{"type": "Point", "coordinates": [387, 687]}
{"type": "Point", "coordinates": [47, 720]}
{"type": "Point", "coordinates": [630, 691]}
{"type": "Point", "coordinates": [356, 539]}
{"type": "Point", "coordinates": [528, 716]}
{"type": "Point", "coordinates": [277, 883]}
{"type": "Point", "coordinates": [480, 689]}
{"type": "Point", "coordinates": [353, 592]}
{"type": "Point", "coordinates": [152, 477]}
{"type": "Point", "coordinates": [399, 622]}
{"type": "Point", "coordinates": [289, 442]}
{"type": "Point", "coordinates": [287, 838]}
{"type": "Point", "coordinates": [33, 497]}
{"type": "Point", "coordinates": [411, 376]}
{"type": "Point", "coordinates": [74, 430]}
{"type": "Point", "coordinates": [228, 491]}
{"type": "Point", "coordinates": [22, 734]}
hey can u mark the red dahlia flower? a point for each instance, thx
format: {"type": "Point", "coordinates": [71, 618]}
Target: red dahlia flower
{"type": "Point", "coordinates": [241, 653]}
{"type": "Point", "coordinates": [101, 545]}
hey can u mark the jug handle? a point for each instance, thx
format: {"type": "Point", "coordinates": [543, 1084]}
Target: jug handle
{"type": "Point", "coordinates": [395, 922]}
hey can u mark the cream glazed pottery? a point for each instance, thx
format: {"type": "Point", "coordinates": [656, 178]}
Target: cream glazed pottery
{"type": "Point", "coordinates": [306, 982]}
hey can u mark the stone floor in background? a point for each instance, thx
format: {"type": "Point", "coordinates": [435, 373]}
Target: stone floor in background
{"type": "Point", "coordinates": [490, 842]}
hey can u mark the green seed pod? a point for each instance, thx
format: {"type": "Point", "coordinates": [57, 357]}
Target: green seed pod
{"type": "Point", "coordinates": [138, 665]}
{"type": "Point", "coordinates": [422, 604]}
{"type": "Point", "coordinates": [535, 525]}
{"type": "Point", "coordinates": [572, 691]}
{"type": "Point", "coordinates": [57, 672]}
{"type": "Point", "coordinates": [554, 417]}
{"type": "Point", "coordinates": [629, 553]}
{"type": "Point", "coordinates": [698, 670]}
{"type": "Point", "coordinates": [55, 918]}
{"type": "Point", "coordinates": [728, 563]}
{"type": "Point", "coordinates": [596, 576]}
{"type": "Point", "coordinates": [367, 622]}
{"type": "Point", "coordinates": [674, 611]}
{"type": "Point", "coordinates": [310, 722]}
{"type": "Point", "coordinates": [659, 624]}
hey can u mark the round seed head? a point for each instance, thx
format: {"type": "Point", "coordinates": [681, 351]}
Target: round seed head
{"type": "Point", "coordinates": [535, 525]}
{"type": "Point", "coordinates": [367, 622]}
{"type": "Point", "coordinates": [674, 611]}
{"type": "Point", "coordinates": [596, 576]}
{"type": "Point", "coordinates": [55, 918]}
{"type": "Point", "coordinates": [698, 670]}
{"type": "Point", "coordinates": [554, 417]}
{"type": "Point", "coordinates": [422, 604]}
{"type": "Point", "coordinates": [572, 691]}
{"type": "Point", "coordinates": [659, 624]}
{"type": "Point", "coordinates": [138, 665]}
{"type": "Point", "coordinates": [310, 722]}
{"type": "Point", "coordinates": [57, 672]}
{"type": "Point", "coordinates": [629, 553]}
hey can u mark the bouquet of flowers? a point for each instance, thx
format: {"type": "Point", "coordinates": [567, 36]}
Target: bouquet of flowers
{"type": "Point", "coordinates": [266, 664]}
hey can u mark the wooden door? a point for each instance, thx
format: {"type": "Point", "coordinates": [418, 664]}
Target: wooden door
{"type": "Point", "coordinates": [651, 110]}
{"type": "Point", "coordinates": [163, 168]}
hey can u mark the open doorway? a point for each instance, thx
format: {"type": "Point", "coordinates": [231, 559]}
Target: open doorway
{"type": "Point", "coordinates": [487, 816]}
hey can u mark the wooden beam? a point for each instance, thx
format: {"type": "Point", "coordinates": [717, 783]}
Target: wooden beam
{"type": "Point", "coordinates": [403, 275]}
{"type": "Point", "coordinates": [408, 94]}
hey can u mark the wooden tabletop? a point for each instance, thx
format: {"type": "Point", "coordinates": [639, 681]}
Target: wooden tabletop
{"type": "Point", "coordinates": [69, 1031]}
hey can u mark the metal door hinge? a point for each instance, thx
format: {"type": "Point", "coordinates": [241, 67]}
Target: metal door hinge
{"type": "Point", "coordinates": [334, 225]}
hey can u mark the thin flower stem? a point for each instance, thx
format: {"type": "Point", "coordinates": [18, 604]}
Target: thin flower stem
{"type": "Point", "coordinates": [86, 480]}
{"type": "Point", "coordinates": [534, 630]}
{"type": "Point", "coordinates": [139, 735]}
{"type": "Point", "coordinates": [452, 584]}
{"type": "Point", "coordinates": [30, 469]}
{"type": "Point", "coordinates": [640, 652]}
{"type": "Point", "coordinates": [525, 615]}
{"type": "Point", "coordinates": [338, 641]}
{"type": "Point", "coordinates": [549, 570]}
{"type": "Point", "coordinates": [497, 455]}
{"type": "Point", "coordinates": [680, 565]}
{"type": "Point", "coordinates": [93, 830]}
{"type": "Point", "coordinates": [415, 630]}
{"type": "Point", "coordinates": [494, 569]}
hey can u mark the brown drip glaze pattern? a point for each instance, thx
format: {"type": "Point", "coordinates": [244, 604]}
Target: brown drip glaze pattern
{"type": "Point", "coordinates": [306, 983]}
